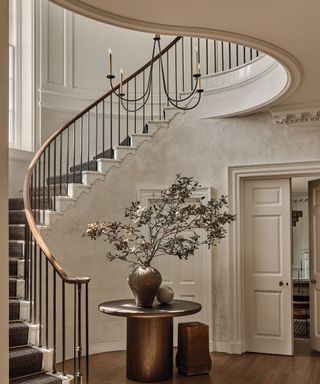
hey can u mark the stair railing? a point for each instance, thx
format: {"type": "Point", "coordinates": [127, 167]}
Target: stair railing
{"type": "Point", "coordinates": [76, 148]}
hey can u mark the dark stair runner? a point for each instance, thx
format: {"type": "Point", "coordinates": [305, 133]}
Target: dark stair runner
{"type": "Point", "coordinates": [25, 361]}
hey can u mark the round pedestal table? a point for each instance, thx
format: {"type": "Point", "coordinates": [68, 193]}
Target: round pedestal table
{"type": "Point", "coordinates": [149, 336]}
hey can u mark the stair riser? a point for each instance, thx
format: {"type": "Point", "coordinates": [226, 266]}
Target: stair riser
{"type": "Point", "coordinates": [16, 232]}
{"type": "Point", "coordinates": [16, 249]}
{"type": "Point", "coordinates": [16, 288]}
{"type": "Point", "coordinates": [16, 268]}
{"type": "Point", "coordinates": [16, 204]}
{"type": "Point", "coordinates": [17, 217]}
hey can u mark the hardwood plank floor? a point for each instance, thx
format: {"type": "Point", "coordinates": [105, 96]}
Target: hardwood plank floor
{"type": "Point", "coordinates": [249, 368]}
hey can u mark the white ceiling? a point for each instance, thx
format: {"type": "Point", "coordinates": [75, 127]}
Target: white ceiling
{"type": "Point", "coordinates": [291, 25]}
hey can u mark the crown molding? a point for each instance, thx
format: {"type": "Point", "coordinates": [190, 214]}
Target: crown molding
{"type": "Point", "coordinates": [302, 115]}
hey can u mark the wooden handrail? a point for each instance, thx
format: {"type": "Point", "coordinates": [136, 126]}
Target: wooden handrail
{"type": "Point", "coordinates": [27, 182]}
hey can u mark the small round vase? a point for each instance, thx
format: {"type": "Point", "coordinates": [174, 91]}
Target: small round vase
{"type": "Point", "coordinates": [144, 282]}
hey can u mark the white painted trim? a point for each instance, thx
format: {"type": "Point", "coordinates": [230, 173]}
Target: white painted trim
{"type": "Point", "coordinates": [144, 196]}
{"type": "Point", "coordinates": [236, 176]}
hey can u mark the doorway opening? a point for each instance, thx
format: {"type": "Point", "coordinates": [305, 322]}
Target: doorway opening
{"type": "Point", "coordinates": [300, 260]}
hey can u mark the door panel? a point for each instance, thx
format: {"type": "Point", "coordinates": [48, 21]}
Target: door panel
{"type": "Point", "coordinates": [267, 254]}
{"type": "Point", "coordinates": [314, 241]}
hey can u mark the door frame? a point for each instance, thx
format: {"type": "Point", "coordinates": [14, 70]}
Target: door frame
{"type": "Point", "coordinates": [236, 177]}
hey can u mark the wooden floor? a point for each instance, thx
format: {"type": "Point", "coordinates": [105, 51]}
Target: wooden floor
{"type": "Point", "coordinates": [249, 368]}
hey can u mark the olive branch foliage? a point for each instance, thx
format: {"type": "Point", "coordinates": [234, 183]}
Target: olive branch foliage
{"type": "Point", "coordinates": [169, 227]}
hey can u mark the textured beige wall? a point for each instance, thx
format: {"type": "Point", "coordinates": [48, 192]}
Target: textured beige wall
{"type": "Point", "coordinates": [4, 191]}
{"type": "Point", "coordinates": [203, 148]}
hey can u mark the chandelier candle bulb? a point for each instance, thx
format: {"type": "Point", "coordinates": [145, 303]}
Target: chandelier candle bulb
{"type": "Point", "coordinates": [196, 60]}
{"type": "Point", "coordinates": [199, 68]}
{"type": "Point", "coordinates": [110, 61]}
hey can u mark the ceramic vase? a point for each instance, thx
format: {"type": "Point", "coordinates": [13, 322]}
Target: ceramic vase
{"type": "Point", "coordinates": [144, 282]}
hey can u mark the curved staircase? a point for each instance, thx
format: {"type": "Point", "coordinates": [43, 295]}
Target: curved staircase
{"type": "Point", "coordinates": [28, 361]}
{"type": "Point", "coordinates": [67, 164]}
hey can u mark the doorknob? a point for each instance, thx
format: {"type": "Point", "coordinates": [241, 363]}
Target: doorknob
{"type": "Point", "coordinates": [313, 281]}
{"type": "Point", "coordinates": [281, 283]}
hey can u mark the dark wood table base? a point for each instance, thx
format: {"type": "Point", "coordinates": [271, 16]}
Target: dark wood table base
{"type": "Point", "coordinates": [149, 349]}
{"type": "Point", "coordinates": [149, 336]}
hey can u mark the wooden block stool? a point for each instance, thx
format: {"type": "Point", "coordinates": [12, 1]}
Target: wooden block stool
{"type": "Point", "coordinates": [193, 356]}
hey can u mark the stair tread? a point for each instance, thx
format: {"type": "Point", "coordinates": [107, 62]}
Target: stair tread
{"type": "Point", "coordinates": [40, 378]}
{"type": "Point", "coordinates": [18, 334]}
{"type": "Point", "coordinates": [24, 361]}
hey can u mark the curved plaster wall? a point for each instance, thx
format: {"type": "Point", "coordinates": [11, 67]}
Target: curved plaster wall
{"type": "Point", "coordinates": [203, 148]}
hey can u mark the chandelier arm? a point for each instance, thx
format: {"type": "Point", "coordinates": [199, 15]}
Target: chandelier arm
{"type": "Point", "coordinates": [165, 85]}
{"type": "Point", "coordinates": [187, 108]}
{"type": "Point", "coordinates": [134, 110]}
{"type": "Point", "coordinates": [148, 84]}
{"type": "Point", "coordinates": [131, 100]}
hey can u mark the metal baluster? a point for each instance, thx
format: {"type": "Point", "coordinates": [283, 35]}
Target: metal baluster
{"type": "Point", "coordinates": [103, 128]}
{"type": "Point", "coordinates": [79, 347]}
{"type": "Point", "coordinates": [143, 108]}
{"type": "Point", "coordinates": [222, 55]}
{"type": "Point", "coordinates": [97, 131]}
{"type": "Point", "coordinates": [244, 55]}
{"type": "Point", "coordinates": [229, 51]}
{"type": "Point", "coordinates": [237, 55]}
{"type": "Point", "coordinates": [63, 326]}
{"type": "Point", "coordinates": [168, 77]}
{"type": "Point", "coordinates": [191, 63]}
{"type": "Point", "coordinates": [81, 144]}
{"type": "Point", "coordinates": [54, 291]}
{"type": "Point", "coordinates": [38, 202]}
{"type": "Point", "coordinates": [176, 72]}
{"type": "Point", "coordinates": [54, 172]}
{"type": "Point", "coordinates": [88, 139]}
{"type": "Point", "coordinates": [31, 279]}
{"type": "Point", "coordinates": [257, 53]}
{"type": "Point", "coordinates": [48, 178]}
{"type": "Point", "coordinates": [135, 104]}
{"type": "Point", "coordinates": [87, 333]}
{"type": "Point", "coordinates": [43, 187]}
{"type": "Point", "coordinates": [127, 117]}
{"type": "Point", "coordinates": [40, 297]}
{"type": "Point", "coordinates": [251, 54]}
{"type": "Point", "coordinates": [182, 61]}
{"type": "Point", "coordinates": [215, 56]}
{"type": "Point", "coordinates": [207, 56]}
{"type": "Point", "coordinates": [119, 123]}
{"type": "Point", "coordinates": [67, 162]}
{"type": "Point", "coordinates": [60, 164]}
{"type": "Point", "coordinates": [73, 152]}
{"type": "Point", "coordinates": [111, 129]}
{"type": "Point", "coordinates": [33, 191]}
{"type": "Point", "coordinates": [35, 281]}
{"type": "Point", "coordinates": [151, 97]}
{"type": "Point", "coordinates": [75, 332]}
{"type": "Point", "coordinates": [47, 303]}
{"type": "Point", "coordinates": [159, 101]}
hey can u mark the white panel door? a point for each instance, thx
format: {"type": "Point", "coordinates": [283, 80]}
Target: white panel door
{"type": "Point", "coordinates": [314, 244]}
{"type": "Point", "coordinates": [189, 279]}
{"type": "Point", "coordinates": [267, 254]}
